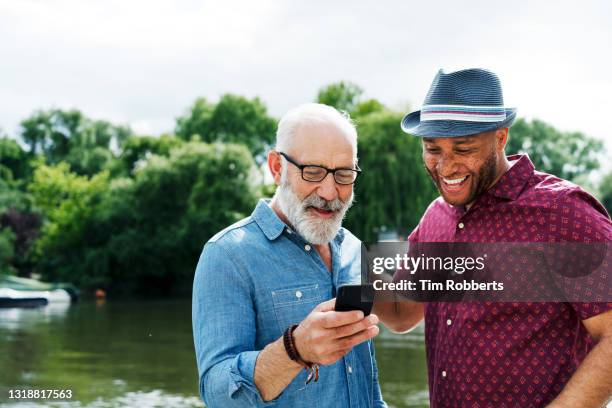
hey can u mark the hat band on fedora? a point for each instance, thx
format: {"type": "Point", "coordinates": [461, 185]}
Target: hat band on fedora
{"type": "Point", "coordinates": [464, 113]}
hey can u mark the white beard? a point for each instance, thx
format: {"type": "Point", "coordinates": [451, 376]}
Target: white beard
{"type": "Point", "coordinates": [313, 229]}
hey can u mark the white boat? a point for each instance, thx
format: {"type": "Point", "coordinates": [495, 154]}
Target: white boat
{"type": "Point", "coordinates": [32, 298]}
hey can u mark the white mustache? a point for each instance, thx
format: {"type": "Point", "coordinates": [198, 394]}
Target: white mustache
{"type": "Point", "coordinates": [315, 201]}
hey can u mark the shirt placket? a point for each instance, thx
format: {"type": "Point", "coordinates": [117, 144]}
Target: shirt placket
{"type": "Point", "coordinates": [349, 369]}
{"type": "Point", "coordinates": [448, 319]}
{"type": "Point", "coordinates": [349, 359]}
{"type": "Point", "coordinates": [445, 328]}
{"type": "Point", "coordinates": [312, 254]}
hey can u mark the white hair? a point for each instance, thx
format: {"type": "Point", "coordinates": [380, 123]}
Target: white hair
{"type": "Point", "coordinates": [314, 113]}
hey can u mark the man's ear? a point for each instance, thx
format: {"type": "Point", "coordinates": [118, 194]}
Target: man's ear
{"type": "Point", "coordinates": [501, 138]}
{"type": "Point", "coordinates": [275, 166]}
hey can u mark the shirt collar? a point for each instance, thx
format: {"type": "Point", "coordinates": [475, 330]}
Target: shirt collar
{"type": "Point", "coordinates": [268, 221]}
{"type": "Point", "coordinates": [512, 182]}
{"type": "Point", "coordinates": [272, 226]}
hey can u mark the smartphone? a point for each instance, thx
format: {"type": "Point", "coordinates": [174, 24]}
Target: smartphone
{"type": "Point", "coordinates": [355, 297]}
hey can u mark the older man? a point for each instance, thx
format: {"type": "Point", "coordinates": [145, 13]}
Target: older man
{"type": "Point", "coordinates": [264, 324]}
{"type": "Point", "coordinates": [492, 354]}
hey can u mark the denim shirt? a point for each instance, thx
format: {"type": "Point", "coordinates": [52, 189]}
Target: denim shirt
{"type": "Point", "coordinates": [253, 280]}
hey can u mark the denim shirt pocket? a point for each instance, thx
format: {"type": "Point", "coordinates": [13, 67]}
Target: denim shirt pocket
{"type": "Point", "coordinates": [292, 305]}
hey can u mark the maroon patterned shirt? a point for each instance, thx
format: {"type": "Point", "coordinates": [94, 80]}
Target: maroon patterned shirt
{"type": "Point", "coordinates": [492, 354]}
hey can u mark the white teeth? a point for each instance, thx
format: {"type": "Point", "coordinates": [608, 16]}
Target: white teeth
{"type": "Point", "coordinates": [455, 181]}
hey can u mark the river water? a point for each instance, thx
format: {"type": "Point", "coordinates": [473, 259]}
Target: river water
{"type": "Point", "coordinates": [140, 354]}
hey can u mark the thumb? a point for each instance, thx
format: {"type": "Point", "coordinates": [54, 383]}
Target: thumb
{"type": "Point", "coordinates": [326, 306]}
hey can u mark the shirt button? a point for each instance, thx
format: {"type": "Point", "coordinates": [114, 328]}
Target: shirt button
{"type": "Point", "coordinates": [298, 294]}
{"type": "Point", "coordinates": [461, 225]}
{"type": "Point", "coordinates": [449, 322]}
{"type": "Point", "coordinates": [307, 247]}
{"type": "Point", "coordinates": [444, 374]}
{"type": "Point", "coordinates": [350, 370]}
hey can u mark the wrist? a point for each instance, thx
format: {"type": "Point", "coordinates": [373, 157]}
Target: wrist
{"type": "Point", "coordinates": [291, 346]}
{"type": "Point", "coordinates": [281, 351]}
{"type": "Point", "coordinates": [300, 346]}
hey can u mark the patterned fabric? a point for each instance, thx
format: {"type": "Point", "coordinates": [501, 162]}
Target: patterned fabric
{"type": "Point", "coordinates": [510, 354]}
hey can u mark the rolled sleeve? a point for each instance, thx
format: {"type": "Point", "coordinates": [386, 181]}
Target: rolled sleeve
{"type": "Point", "coordinates": [242, 372]}
{"type": "Point", "coordinates": [224, 326]}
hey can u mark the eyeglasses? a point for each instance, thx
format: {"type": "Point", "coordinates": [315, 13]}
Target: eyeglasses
{"type": "Point", "coordinates": [314, 173]}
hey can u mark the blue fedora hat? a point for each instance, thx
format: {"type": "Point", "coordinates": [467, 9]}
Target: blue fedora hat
{"type": "Point", "coordinates": [460, 103]}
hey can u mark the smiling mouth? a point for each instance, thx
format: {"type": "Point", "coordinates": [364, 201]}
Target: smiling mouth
{"type": "Point", "coordinates": [453, 182]}
{"type": "Point", "coordinates": [321, 212]}
{"type": "Point", "coordinates": [453, 185]}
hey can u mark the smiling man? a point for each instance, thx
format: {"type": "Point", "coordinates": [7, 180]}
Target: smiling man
{"type": "Point", "coordinates": [478, 172]}
{"type": "Point", "coordinates": [264, 325]}
{"type": "Point", "coordinates": [492, 354]}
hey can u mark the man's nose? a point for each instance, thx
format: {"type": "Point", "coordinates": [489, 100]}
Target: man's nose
{"type": "Point", "coordinates": [447, 165]}
{"type": "Point", "coordinates": [327, 188]}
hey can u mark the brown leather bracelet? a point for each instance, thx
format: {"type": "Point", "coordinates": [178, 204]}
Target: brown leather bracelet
{"type": "Point", "coordinates": [290, 348]}
{"type": "Point", "coordinates": [292, 352]}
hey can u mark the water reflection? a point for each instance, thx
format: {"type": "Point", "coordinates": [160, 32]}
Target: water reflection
{"type": "Point", "coordinates": [20, 318]}
{"type": "Point", "coordinates": [152, 399]}
{"type": "Point", "coordinates": [140, 354]}
{"type": "Point", "coordinates": [402, 368]}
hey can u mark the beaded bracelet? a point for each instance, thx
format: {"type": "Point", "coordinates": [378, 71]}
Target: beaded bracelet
{"type": "Point", "coordinates": [292, 352]}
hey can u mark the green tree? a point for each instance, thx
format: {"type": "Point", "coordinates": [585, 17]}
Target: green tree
{"type": "Point", "coordinates": [605, 189]}
{"type": "Point", "coordinates": [12, 197]}
{"type": "Point", "coordinates": [15, 170]}
{"type": "Point", "coordinates": [14, 161]}
{"type": "Point", "coordinates": [6, 250]}
{"type": "Point", "coordinates": [69, 203]}
{"type": "Point", "coordinates": [342, 95]}
{"type": "Point", "coordinates": [366, 107]}
{"type": "Point", "coordinates": [137, 149]}
{"type": "Point", "coordinates": [141, 234]}
{"type": "Point", "coordinates": [564, 154]}
{"type": "Point", "coordinates": [196, 120]}
{"type": "Point", "coordinates": [234, 119]}
{"type": "Point", "coordinates": [67, 135]}
{"type": "Point", "coordinates": [394, 189]}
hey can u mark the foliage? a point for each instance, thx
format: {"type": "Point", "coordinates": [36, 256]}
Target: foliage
{"type": "Point", "coordinates": [24, 225]}
{"type": "Point", "coordinates": [142, 234]}
{"type": "Point", "coordinates": [564, 154]}
{"type": "Point", "coordinates": [14, 161]}
{"type": "Point", "coordinates": [137, 149]}
{"type": "Point", "coordinates": [69, 203]}
{"type": "Point", "coordinates": [606, 192]}
{"type": "Point", "coordinates": [88, 202]}
{"type": "Point", "coordinates": [234, 119]}
{"type": "Point", "coordinates": [394, 189]}
{"type": "Point", "coordinates": [6, 250]}
{"type": "Point", "coordinates": [11, 197]}
{"type": "Point", "coordinates": [341, 95]}
{"type": "Point", "coordinates": [366, 107]}
{"type": "Point", "coordinates": [69, 136]}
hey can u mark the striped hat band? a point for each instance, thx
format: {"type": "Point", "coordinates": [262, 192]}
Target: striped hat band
{"type": "Point", "coordinates": [466, 113]}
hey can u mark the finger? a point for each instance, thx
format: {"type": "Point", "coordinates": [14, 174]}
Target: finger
{"type": "Point", "coordinates": [334, 319]}
{"type": "Point", "coordinates": [326, 306]}
{"type": "Point", "coordinates": [357, 338]}
{"type": "Point", "coordinates": [350, 329]}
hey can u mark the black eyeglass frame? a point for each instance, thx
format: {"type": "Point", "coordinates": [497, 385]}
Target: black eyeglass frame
{"type": "Point", "coordinates": [357, 170]}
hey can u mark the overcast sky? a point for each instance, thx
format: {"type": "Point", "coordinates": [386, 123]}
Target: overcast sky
{"type": "Point", "coordinates": [143, 62]}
